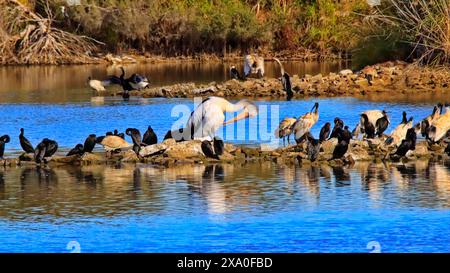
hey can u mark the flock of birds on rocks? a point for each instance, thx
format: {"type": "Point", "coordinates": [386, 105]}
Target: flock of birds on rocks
{"type": "Point", "coordinates": [209, 115]}
{"type": "Point", "coordinates": [253, 65]}
{"type": "Point", "coordinates": [372, 124]}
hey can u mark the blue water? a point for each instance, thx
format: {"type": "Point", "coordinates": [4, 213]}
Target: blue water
{"type": "Point", "coordinates": [71, 123]}
{"type": "Point", "coordinates": [219, 208]}
{"type": "Point", "coordinates": [254, 208]}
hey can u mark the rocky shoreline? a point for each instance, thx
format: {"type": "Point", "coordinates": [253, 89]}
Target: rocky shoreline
{"type": "Point", "coordinates": [389, 77]}
{"type": "Point", "coordinates": [170, 153]}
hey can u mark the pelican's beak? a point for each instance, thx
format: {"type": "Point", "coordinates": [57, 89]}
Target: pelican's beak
{"type": "Point", "coordinates": [242, 115]}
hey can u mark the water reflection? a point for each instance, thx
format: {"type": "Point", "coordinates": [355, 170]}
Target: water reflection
{"type": "Point", "coordinates": [62, 84]}
{"type": "Point", "coordinates": [218, 189]}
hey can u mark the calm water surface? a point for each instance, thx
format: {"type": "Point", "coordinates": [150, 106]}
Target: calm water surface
{"type": "Point", "coordinates": [60, 84]}
{"type": "Point", "coordinates": [249, 208]}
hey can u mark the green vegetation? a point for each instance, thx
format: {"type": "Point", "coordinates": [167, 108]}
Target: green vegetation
{"type": "Point", "coordinates": [174, 27]}
{"type": "Point", "coordinates": [397, 29]}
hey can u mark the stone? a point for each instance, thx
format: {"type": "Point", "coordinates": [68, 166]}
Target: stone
{"type": "Point", "coordinates": [184, 150]}
{"type": "Point", "coordinates": [129, 156]}
{"type": "Point", "coordinates": [345, 72]}
{"type": "Point", "coordinates": [91, 158]}
{"type": "Point", "coordinates": [328, 145]}
{"type": "Point", "coordinates": [156, 148]}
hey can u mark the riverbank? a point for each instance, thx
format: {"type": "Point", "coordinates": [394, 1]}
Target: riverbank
{"type": "Point", "coordinates": [394, 78]}
{"type": "Point", "coordinates": [170, 153]}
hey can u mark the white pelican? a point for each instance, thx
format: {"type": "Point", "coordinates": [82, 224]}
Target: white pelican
{"type": "Point", "coordinates": [209, 116]}
{"type": "Point", "coordinates": [440, 127]}
{"type": "Point", "coordinates": [285, 129]}
{"type": "Point", "coordinates": [253, 64]}
{"type": "Point", "coordinates": [304, 123]}
{"type": "Point", "coordinates": [399, 133]}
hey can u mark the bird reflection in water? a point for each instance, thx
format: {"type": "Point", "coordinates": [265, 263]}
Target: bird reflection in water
{"type": "Point", "coordinates": [341, 176]}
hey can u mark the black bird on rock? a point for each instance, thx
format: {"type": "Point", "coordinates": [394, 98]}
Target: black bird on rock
{"type": "Point", "coordinates": [116, 133]}
{"type": "Point", "coordinates": [215, 150]}
{"type": "Point", "coordinates": [285, 80]}
{"type": "Point", "coordinates": [325, 132]}
{"type": "Point", "coordinates": [338, 124]}
{"type": "Point", "coordinates": [25, 143]}
{"type": "Point", "coordinates": [3, 140]}
{"type": "Point", "coordinates": [89, 143]}
{"type": "Point", "coordinates": [382, 124]}
{"type": "Point", "coordinates": [369, 129]}
{"type": "Point", "coordinates": [46, 148]}
{"type": "Point", "coordinates": [77, 150]}
{"type": "Point", "coordinates": [409, 143]}
{"type": "Point", "coordinates": [149, 137]}
{"type": "Point", "coordinates": [313, 147]}
{"type": "Point", "coordinates": [344, 137]}
{"type": "Point", "coordinates": [136, 138]}
{"type": "Point", "coordinates": [234, 73]}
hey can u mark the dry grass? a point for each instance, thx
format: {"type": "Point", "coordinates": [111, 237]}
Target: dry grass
{"type": "Point", "coordinates": [425, 24]}
{"type": "Point", "coordinates": [29, 38]}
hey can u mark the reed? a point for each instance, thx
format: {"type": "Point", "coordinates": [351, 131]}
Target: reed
{"type": "Point", "coordinates": [424, 24]}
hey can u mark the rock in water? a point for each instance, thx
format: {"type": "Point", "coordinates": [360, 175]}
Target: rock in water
{"type": "Point", "coordinates": [153, 149]}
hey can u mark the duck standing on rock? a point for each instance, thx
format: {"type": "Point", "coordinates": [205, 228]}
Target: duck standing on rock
{"type": "Point", "coordinates": [25, 143]}
{"type": "Point", "coordinates": [285, 81]}
{"type": "Point", "coordinates": [400, 131]}
{"type": "Point", "coordinates": [46, 148]}
{"type": "Point", "coordinates": [209, 115]}
{"type": "Point", "coordinates": [304, 123]}
{"type": "Point", "coordinates": [285, 129]}
{"type": "Point", "coordinates": [3, 140]}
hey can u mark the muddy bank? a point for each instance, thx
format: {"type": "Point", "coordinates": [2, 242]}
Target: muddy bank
{"type": "Point", "coordinates": [386, 78]}
{"type": "Point", "coordinates": [170, 153]}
